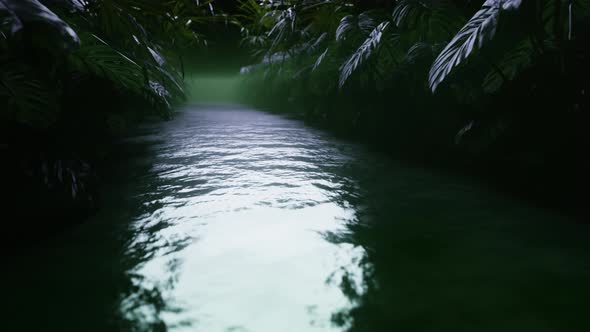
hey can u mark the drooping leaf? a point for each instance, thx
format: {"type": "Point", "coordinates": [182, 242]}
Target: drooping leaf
{"type": "Point", "coordinates": [319, 60]}
{"type": "Point", "coordinates": [363, 52]}
{"type": "Point", "coordinates": [428, 18]}
{"type": "Point", "coordinates": [99, 58]}
{"type": "Point", "coordinates": [480, 29]}
{"type": "Point", "coordinates": [27, 12]}
{"type": "Point", "coordinates": [160, 92]}
{"type": "Point", "coordinates": [362, 24]}
{"type": "Point", "coordinates": [345, 25]}
{"type": "Point", "coordinates": [284, 24]}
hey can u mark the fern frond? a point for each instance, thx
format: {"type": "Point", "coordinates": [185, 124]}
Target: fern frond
{"type": "Point", "coordinates": [319, 60]}
{"type": "Point", "coordinates": [362, 24]}
{"type": "Point", "coordinates": [430, 19]}
{"type": "Point", "coordinates": [346, 24]}
{"type": "Point", "coordinates": [480, 29]}
{"type": "Point", "coordinates": [363, 52]}
{"type": "Point", "coordinates": [284, 24]}
{"type": "Point", "coordinates": [103, 61]}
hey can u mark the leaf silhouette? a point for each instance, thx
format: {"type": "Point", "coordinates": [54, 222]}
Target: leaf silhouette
{"type": "Point", "coordinates": [363, 52]}
{"type": "Point", "coordinates": [478, 30]}
{"type": "Point", "coordinates": [24, 12]}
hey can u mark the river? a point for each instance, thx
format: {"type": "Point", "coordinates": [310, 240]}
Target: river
{"type": "Point", "coordinates": [228, 219]}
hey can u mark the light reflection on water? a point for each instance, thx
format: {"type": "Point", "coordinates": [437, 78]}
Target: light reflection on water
{"type": "Point", "coordinates": [228, 219]}
{"type": "Point", "coordinates": [236, 242]}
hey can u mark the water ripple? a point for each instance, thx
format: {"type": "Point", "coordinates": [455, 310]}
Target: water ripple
{"type": "Point", "coordinates": [241, 201]}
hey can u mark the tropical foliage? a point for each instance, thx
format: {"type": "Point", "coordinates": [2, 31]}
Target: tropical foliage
{"type": "Point", "coordinates": [428, 73]}
{"type": "Point", "coordinates": [125, 43]}
{"type": "Point", "coordinates": [73, 73]}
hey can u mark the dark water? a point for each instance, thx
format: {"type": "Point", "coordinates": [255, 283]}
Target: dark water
{"type": "Point", "coordinates": [229, 219]}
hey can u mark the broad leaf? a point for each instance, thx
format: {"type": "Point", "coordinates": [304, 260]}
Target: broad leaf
{"type": "Point", "coordinates": [512, 63]}
{"type": "Point", "coordinates": [25, 12]}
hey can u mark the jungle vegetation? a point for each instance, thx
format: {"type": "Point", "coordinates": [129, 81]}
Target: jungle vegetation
{"type": "Point", "coordinates": [74, 74]}
{"type": "Point", "coordinates": [496, 87]}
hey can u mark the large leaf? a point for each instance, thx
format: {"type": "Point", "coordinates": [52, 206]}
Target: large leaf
{"type": "Point", "coordinates": [26, 12]}
{"type": "Point", "coordinates": [480, 29]}
{"type": "Point", "coordinates": [512, 63]}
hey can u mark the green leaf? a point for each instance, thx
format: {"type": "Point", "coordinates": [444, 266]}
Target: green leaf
{"type": "Point", "coordinates": [480, 29]}
{"type": "Point", "coordinates": [99, 58]}
{"type": "Point", "coordinates": [512, 63]}
{"type": "Point", "coordinates": [319, 60]}
{"type": "Point", "coordinates": [432, 20]}
{"type": "Point", "coordinates": [363, 52]}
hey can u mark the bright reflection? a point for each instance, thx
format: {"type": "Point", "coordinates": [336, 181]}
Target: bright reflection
{"type": "Point", "coordinates": [226, 219]}
{"type": "Point", "coordinates": [236, 242]}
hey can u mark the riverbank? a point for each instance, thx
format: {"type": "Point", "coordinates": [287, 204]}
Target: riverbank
{"type": "Point", "coordinates": [541, 162]}
{"type": "Point", "coordinates": [504, 98]}
{"type": "Point", "coordinates": [53, 178]}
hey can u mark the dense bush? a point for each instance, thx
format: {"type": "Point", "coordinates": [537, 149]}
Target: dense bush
{"type": "Point", "coordinates": [499, 83]}
{"type": "Point", "coordinates": [73, 75]}
{"type": "Point", "coordinates": [419, 66]}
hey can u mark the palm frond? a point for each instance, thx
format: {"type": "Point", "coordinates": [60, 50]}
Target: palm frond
{"type": "Point", "coordinates": [363, 52]}
{"type": "Point", "coordinates": [169, 79]}
{"type": "Point", "coordinates": [431, 19]}
{"type": "Point", "coordinates": [346, 24]}
{"type": "Point", "coordinates": [158, 97]}
{"type": "Point", "coordinates": [102, 60]}
{"type": "Point", "coordinates": [478, 30]}
{"type": "Point", "coordinates": [317, 43]}
{"type": "Point", "coordinates": [284, 24]}
{"type": "Point", "coordinates": [355, 25]}
{"type": "Point", "coordinates": [319, 60]}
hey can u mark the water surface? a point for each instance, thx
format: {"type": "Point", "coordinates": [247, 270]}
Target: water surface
{"type": "Point", "coordinates": [231, 219]}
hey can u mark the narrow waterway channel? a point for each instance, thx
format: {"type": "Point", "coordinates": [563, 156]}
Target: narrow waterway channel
{"type": "Point", "coordinates": [228, 219]}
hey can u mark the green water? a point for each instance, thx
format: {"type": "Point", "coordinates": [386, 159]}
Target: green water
{"type": "Point", "coordinates": [230, 219]}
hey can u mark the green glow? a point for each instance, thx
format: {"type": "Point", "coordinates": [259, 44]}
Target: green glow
{"type": "Point", "coordinates": [213, 88]}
